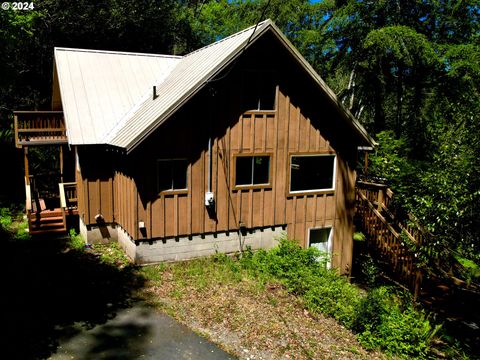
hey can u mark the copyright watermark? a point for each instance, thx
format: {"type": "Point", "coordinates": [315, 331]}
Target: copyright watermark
{"type": "Point", "coordinates": [18, 6]}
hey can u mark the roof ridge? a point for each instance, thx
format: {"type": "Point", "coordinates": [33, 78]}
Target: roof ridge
{"type": "Point", "coordinates": [117, 52]}
{"type": "Point", "coordinates": [229, 37]}
{"type": "Point", "coordinates": [113, 131]}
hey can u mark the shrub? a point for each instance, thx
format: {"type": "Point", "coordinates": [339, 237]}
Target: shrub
{"type": "Point", "coordinates": [5, 218]}
{"type": "Point", "coordinates": [384, 321]}
{"type": "Point", "coordinates": [381, 319]}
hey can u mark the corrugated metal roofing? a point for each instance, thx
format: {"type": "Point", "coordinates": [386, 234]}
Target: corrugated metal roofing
{"type": "Point", "coordinates": [100, 87]}
{"type": "Point", "coordinates": [107, 97]}
{"type": "Point", "coordinates": [189, 75]}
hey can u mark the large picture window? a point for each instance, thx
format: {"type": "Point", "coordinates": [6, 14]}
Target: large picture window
{"type": "Point", "coordinates": [310, 173]}
{"type": "Point", "coordinates": [172, 174]}
{"type": "Point", "coordinates": [252, 170]}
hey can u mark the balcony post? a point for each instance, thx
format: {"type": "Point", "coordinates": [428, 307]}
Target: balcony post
{"type": "Point", "coordinates": [25, 164]}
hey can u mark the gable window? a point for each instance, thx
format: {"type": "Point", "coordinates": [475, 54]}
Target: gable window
{"type": "Point", "coordinates": [260, 91]}
{"type": "Point", "coordinates": [310, 173]}
{"type": "Point", "coordinates": [252, 170]}
{"type": "Point", "coordinates": [321, 238]}
{"type": "Point", "coordinates": [172, 174]}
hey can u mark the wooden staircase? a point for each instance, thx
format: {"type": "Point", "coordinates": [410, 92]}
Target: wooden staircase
{"type": "Point", "coordinates": [47, 222]}
{"type": "Point", "coordinates": [43, 221]}
{"type": "Point", "coordinates": [392, 239]}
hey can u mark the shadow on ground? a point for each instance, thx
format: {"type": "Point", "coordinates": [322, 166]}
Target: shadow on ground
{"type": "Point", "coordinates": [50, 293]}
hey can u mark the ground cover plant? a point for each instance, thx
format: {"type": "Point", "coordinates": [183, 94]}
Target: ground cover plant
{"type": "Point", "coordinates": [221, 293]}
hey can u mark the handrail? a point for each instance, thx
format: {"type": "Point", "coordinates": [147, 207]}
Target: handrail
{"type": "Point", "coordinates": [386, 234]}
{"type": "Point", "coordinates": [380, 216]}
{"type": "Point", "coordinates": [28, 196]}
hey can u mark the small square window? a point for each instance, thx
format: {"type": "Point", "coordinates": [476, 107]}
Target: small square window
{"type": "Point", "coordinates": [252, 170]}
{"type": "Point", "coordinates": [309, 173]}
{"type": "Point", "coordinates": [172, 174]}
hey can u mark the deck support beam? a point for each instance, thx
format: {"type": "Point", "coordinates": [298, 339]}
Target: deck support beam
{"type": "Point", "coordinates": [25, 164]}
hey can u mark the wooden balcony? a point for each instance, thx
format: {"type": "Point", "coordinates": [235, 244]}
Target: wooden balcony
{"type": "Point", "coordinates": [39, 128]}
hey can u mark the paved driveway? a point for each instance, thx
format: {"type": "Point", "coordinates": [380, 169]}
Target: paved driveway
{"type": "Point", "coordinates": [139, 333]}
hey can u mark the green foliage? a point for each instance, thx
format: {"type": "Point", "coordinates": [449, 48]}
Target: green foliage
{"type": "Point", "coordinates": [5, 218]}
{"type": "Point", "coordinates": [369, 271]}
{"type": "Point", "coordinates": [358, 236]}
{"type": "Point", "coordinates": [76, 241]}
{"type": "Point", "coordinates": [470, 270]}
{"type": "Point", "coordinates": [13, 224]}
{"type": "Point", "coordinates": [381, 319]}
{"type": "Point", "coordinates": [397, 328]}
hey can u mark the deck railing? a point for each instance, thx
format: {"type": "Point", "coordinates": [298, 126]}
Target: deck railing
{"type": "Point", "coordinates": [39, 128]}
{"type": "Point", "coordinates": [393, 239]}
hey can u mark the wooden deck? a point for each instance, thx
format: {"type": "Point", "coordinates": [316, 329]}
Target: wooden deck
{"type": "Point", "coordinates": [39, 128]}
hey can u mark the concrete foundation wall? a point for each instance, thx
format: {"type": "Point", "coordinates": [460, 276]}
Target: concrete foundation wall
{"type": "Point", "coordinates": [127, 244]}
{"type": "Point", "coordinates": [198, 246]}
{"type": "Point", "coordinates": [183, 248]}
{"type": "Point", "coordinates": [98, 234]}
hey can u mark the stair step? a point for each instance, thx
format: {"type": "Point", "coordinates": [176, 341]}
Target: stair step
{"type": "Point", "coordinates": [48, 227]}
{"type": "Point", "coordinates": [48, 219]}
{"type": "Point", "coordinates": [47, 231]}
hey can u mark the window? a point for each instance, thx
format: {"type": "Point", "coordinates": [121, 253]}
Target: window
{"type": "Point", "coordinates": [309, 173]}
{"type": "Point", "coordinates": [252, 170]}
{"type": "Point", "coordinates": [322, 240]}
{"type": "Point", "coordinates": [260, 92]}
{"type": "Point", "coordinates": [172, 174]}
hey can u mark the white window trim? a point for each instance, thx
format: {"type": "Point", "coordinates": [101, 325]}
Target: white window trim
{"type": "Point", "coordinates": [329, 242]}
{"type": "Point", "coordinates": [158, 175]}
{"type": "Point", "coordinates": [334, 180]}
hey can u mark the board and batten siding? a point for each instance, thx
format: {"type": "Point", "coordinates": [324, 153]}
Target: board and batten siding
{"type": "Point", "coordinates": [129, 196]}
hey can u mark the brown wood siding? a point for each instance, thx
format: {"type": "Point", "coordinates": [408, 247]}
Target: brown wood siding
{"type": "Point", "coordinates": [94, 185]}
{"type": "Point", "coordinates": [291, 128]}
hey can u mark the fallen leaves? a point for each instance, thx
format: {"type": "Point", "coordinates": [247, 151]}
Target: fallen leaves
{"type": "Point", "coordinates": [252, 321]}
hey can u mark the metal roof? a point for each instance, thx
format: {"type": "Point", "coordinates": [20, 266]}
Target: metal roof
{"type": "Point", "coordinates": [108, 97]}
{"type": "Point", "coordinates": [99, 87]}
{"type": "Point", "coordinates": [189, 76]}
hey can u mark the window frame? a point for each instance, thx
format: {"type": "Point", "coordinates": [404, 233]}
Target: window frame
{"type": "Point", "coordinates": [313, 191]}
{"type": "Point", "coordinates": [329, 241]}
{"type": "Point", "coordinates": [268, 185]}
{"type": "Point", "coordinates": [173, 191]}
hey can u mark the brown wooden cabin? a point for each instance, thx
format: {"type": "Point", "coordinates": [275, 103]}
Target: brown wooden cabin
{"type": "Point", "coordinates": [230, 146]}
